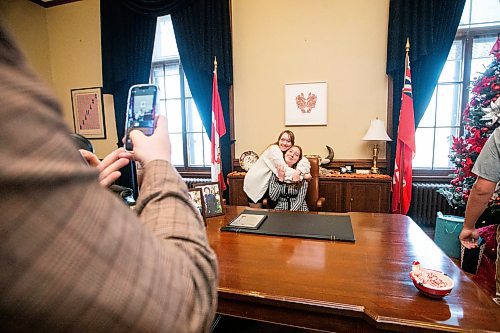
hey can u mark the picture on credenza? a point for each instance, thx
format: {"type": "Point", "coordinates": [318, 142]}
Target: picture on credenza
{"type": "Point", "coordinates": [212, 197]}
{"type": "Point", "coordinates": [197, 198]}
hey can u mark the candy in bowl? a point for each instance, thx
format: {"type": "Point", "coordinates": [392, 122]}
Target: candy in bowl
{"type": "Point", "coordinates": [432, 283]}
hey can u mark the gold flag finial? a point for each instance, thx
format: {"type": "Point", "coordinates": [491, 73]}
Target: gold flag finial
{"type": "Point", "coordinates": [407, 60]}
{"type": "Point", "coordinates": [215, 63]}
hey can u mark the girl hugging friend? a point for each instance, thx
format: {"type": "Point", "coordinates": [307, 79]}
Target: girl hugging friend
{"type": "Point", "coordinates": [257, 179]}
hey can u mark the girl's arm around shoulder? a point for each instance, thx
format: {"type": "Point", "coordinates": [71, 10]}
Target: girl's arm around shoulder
{"type": "Point", "coordinates": [304, 165]}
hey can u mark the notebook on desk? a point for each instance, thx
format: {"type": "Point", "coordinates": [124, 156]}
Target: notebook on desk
{"type": "Point", "coordinates": [331, 227]}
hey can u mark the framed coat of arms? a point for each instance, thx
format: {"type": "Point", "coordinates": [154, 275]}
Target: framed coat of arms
{"type": "Point", "coordinates": [305, 104]}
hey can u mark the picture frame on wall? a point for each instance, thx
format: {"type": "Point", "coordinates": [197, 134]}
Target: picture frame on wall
{"type": "Point", "coordinates": [88, 112]}
{"type": "Point", "coordinates": [212, 198]}
{"type": "Point", "coordinates": [306, 104]}
{"type": "Point", "coordinates": [196, 196]}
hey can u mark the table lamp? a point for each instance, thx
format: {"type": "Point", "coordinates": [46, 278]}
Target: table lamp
{"type": "Point", "coordinates": [376, 133]}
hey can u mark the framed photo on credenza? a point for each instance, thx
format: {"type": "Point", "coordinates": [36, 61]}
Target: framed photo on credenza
{"type": "Point", "coordinates": [212, 197]}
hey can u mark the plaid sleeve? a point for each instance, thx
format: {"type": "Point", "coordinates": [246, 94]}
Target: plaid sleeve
{"type": "Point", "coordinates": [73, 256]}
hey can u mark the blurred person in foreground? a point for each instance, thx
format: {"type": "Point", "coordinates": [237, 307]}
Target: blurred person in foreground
{"type": "Point", "coordinates": [73, 256]}
{"type": "Point", "coordinates": [487, 169]}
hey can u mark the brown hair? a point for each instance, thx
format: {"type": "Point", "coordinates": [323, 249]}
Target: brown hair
{"type": "Point", "coordinates": [300, 154]}
{"type": "Point", "coordinates": [290, 135]}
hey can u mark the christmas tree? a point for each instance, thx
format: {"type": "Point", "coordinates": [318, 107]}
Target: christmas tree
{"type": "Point", "coordinates": [480, 118]}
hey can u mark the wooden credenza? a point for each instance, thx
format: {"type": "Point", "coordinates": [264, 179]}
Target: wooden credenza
{"type": "Point", "coordinates": [343, 193]}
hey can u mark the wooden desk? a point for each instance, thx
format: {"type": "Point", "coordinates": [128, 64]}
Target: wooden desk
{"type": "Point", "coordinates": [344, 287]}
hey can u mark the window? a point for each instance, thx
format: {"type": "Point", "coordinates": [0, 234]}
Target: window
{"type": "Point", "coordinates": [468, 57]}
{"type": "Point", "coordinates": [190, 143]}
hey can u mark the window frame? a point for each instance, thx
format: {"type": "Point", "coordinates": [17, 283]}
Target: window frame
{"type": "Point", "coordinates": [466, 35]}
{"type": "Point", "coordinates": [185, 170]}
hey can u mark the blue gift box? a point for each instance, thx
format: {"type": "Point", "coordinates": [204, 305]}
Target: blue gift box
{"type": "Point", "coordinates": [448, 228]}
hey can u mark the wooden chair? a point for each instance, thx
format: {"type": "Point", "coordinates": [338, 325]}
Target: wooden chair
{"type": "Point", "coordinates": [313, 200]}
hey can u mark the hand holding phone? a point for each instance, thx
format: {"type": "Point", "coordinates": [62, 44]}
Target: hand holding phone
{"type": "Point", "coordinates": [141, 111]}
{"type": "Point", "coordinates": [154, 147]}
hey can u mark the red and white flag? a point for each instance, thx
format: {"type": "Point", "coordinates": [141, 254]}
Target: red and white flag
{"type": "Point", "coordinates": [405, 149]}
{"type": "Point", "coordinates": [218, 130]}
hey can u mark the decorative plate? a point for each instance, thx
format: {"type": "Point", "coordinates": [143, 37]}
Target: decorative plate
{"type": "Point", "coordinates": [432, 283]}
{"type": "Point", "coordinates": [247, 159]}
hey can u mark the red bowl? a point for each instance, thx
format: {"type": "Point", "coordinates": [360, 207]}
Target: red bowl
{"type": "Point", "coordinates": [432, 283]}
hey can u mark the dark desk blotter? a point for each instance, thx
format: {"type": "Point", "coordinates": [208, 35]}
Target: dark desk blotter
{"type": "Point", "coordinates": [331, 227]}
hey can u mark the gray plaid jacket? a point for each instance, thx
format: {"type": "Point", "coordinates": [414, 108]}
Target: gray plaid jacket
{"type": "Point", "coordinates": [73, 256]}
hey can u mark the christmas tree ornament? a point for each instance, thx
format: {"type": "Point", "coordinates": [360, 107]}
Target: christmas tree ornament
{"type": "Point", "coordinates": [492, 114]}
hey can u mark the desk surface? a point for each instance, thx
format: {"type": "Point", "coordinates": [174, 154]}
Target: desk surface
{"type": "Point", "coordinates": [341, 286]}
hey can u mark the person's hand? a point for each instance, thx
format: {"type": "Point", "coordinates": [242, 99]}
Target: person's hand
{"type": "Point", "coordinates": [308, 177]}
{"type": "Point", "coordinates": [154, 147]}
{"type": "Point", "coordinates": [296, 176]}
{"type": "Point", "coordinates": [281, 172]}
{"type": "Point", "coordinates": [468, 237]}
{"type": "Point", "coordinates": [109, 167]}
{"type": "Point", "coordinates": [89, 157]}
{"type": "Point", "coordinates": [111, 164]}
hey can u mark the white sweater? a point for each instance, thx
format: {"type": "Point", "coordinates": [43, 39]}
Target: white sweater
{"type": "Point", "coordinates": [257, 178]}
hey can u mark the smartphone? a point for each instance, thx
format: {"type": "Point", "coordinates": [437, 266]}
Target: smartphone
{"type": "Point", "coordinates": [141, 110]}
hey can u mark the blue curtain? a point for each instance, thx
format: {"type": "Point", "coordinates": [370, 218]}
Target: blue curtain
{"type": "Point", "coordinates": [202, 30]}
{"type": "Point", "coordinates": [127, 40]}
{"type": "Point", "coordinates": [431, 26]}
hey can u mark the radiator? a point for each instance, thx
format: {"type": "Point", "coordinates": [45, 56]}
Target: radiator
{"type": "Point", "coordinates": [191, 181]}
{"type": "Point", "coordinates": [426, 202]}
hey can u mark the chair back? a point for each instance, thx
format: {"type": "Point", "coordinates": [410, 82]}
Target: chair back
{"type": "Point", "coordinates": [313, 189]}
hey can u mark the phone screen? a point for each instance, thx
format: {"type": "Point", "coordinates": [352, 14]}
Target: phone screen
{"type": "Point", "coordinates": [141, 107]}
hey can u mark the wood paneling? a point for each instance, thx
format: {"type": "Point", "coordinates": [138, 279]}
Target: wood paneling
{"type": "Point", "coordinates": [343, 193]}
{"type": "Point", "coordinates": [333, 194]}
{"type": "Point", "coordinates": [367, 197]}
{"type": "Point", "coordinates": [336, 164]}
{"type": "Point", "coordinates": [237, 196]}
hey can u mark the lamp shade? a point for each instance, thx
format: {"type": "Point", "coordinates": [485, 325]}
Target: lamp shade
{"type": "Point", "coordinates": [376, 132]}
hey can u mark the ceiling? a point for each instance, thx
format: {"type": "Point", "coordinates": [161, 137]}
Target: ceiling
{"type": "Point", "coordinates": [51, 3]}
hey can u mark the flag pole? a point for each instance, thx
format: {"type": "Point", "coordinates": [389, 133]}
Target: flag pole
{"type": "Point", "coordinates": [218, 130]}
{"type": "Point", "coordinates": [402, 168]}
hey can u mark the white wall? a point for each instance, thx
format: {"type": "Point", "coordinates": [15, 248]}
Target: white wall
{"type": "Point", "coordinates": [274, 42]}
{"type": "Point", "coordinates": [63, 43]}
{"type": "Point", "coordinates": [292, 41]}
{"type": "Point", "coordinates": [27, 22]}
